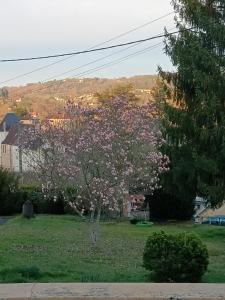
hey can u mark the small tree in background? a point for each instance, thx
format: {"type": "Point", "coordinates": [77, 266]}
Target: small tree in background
{"type": "Point", "coordinates": [100, 154]}
{"type": "Point", "coordinates": [175, 258]}
{"type": "Point", "coordinates": [21, 111]}
{"type": "Point", "coordinates": [118, 91]}
{"type": "Point", "coordinates": [4, 93]}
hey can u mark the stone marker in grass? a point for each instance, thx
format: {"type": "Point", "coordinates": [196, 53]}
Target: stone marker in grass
{"type": "Point", "coordinates": [28, 210]}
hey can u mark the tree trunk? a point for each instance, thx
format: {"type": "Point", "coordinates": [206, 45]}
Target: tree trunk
{"type": "Point", "coordinates": [76, 210]}
{"type": "Point", "coordinates": [98, 215]}
{"type": "Point", "coordinates": [92, 219]}
{"type": "Point", "coordinates": [94, 234]}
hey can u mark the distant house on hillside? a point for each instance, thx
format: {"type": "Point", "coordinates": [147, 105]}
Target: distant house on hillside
{"type": "Point", "coordinates": [8, 121]}
{"type": "Point", "coordinates": [30, 121]}
{"type": "Point", "coordinates": [58, 120]}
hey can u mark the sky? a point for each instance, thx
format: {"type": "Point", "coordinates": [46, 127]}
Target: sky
{"type": "Point", "coordinates": [45, 27]}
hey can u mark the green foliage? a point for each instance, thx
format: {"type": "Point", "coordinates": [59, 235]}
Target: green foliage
{"type": "Point", "coordinates": [13, 197]}
{"type": "Point", "coordinates": [134, 221]}
{"type": "Point", "coordinates": [23, 274]}
{"type": "Point", "coordinates": [20, 111]}
{"type": "Point", "coordinates": [164, 206]}
{"type": "Point", "coordinates": [41, 203]}
{"type": "Point", "coordinates": [175, 258]}
{"type": "Point", "coordinates": [117, 91]}
{"type": "Point", "coordinates": [33, 194]}
{"type": "Point", "coordinates": [194, 114]}
{"type": "Point", "coordinates": [32, 272]}
{"type": "Point", "coordinates": [8, 187]}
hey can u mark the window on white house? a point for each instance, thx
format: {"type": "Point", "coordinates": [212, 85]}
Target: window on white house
{"type": "Point", "coordinates": [3, 148]}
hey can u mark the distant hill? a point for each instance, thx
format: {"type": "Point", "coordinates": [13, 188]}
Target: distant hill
{"type": "Point", "coordinates": [49, 97]}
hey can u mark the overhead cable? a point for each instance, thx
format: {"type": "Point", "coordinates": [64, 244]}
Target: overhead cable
{"type": "Point", "coordinates": [97, 45]}
{"type": "Point", "coordinates": [95, 49]}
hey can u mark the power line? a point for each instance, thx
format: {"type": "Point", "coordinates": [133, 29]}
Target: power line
{"type": "Point", "coordinates": [97, 45]}
{"type": "Point", "coordinates": [96, 49]}
{"type": "Point", "coordinates": [90, 63]}
{"type": "Point", "coordinates": [124, 58]}
{"type": "Point", "coordinates": [94, 61]}
{"type": "Point", "coordinates": [106, 65]}
{"type": "Point", "coordinates": [99, 67]}
{"type": "Point", "coordinates": [136, 28]}
{"type": "Point", "coordinates": [33, 71]}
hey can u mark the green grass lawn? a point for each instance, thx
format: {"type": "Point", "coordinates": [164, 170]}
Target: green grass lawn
{"type": "Point", "coordinates": [60, 247]}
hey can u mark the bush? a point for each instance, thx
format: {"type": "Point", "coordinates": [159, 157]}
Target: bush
{"type": "Point", "coordinates": [22, 274]}
{"type": "Point", "coordinates": [44, 205]}
{"type": "Point", "coordinates": [161, 203]}
{"type": "Point", "coordinates": [175, 258]}
{"type": "Point", "coordinates": [134, 221]}
{"type": "Point", "coordinates": [32, 272]}
{"type": "Point", "coordinates": [13, 197]}
{"type": "Point", "coordinates": [8, 197]}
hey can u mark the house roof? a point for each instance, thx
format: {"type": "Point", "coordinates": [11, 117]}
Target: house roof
{"type": "Point", "coordinates": [14, 132]}
{"type": "Point", "coordinates": [8, 121]}
{"type": "Point", "coordinates": [12, 136]}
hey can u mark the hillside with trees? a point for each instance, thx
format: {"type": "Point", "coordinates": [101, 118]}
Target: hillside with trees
{"type": "Point", "coordinates": [48, 98]}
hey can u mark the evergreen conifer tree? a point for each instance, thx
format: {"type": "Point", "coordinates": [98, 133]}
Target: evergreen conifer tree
{"type": "Point", "coordinates": [194, 106]}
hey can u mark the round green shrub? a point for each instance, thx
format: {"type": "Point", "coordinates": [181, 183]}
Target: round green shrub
{"type": "Point", "coordinates": [175, 257]}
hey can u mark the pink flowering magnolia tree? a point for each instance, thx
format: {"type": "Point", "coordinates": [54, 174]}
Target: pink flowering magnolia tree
{"type": "Point", "coordinates": [95, 156]}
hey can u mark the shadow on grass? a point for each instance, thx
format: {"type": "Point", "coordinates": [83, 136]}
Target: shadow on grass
{"type": "Point", "coordinates": [24, 274]}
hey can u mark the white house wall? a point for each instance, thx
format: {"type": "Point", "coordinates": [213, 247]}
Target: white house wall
{"type": "Point", "coordinates": [15, 158]}
{"type": "Point", "coordinates": [27, 160]}
{"type": "Point", "coordinates": [3, 135]}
